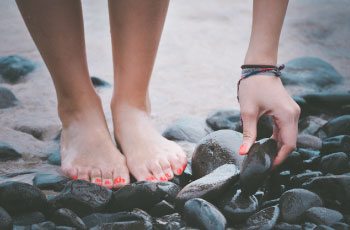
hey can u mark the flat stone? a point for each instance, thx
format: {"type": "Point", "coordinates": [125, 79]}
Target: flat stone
{"type": "Point", "coordinates": [309, 142]}
{"type": "Point", "coordinates": [335, 163]}
{"type": "Point", "coordinates": [264, 219]}
{"type": "Point", "coordinates": [67, 217]}
{"type": "Point", "coordinates": [337, 126]}
{"type": "Point", "coordinates": [294, 202]}
{"type": "Point", "coordinates": [125, 225]}
{"type": "Point", "coordinates": [286, 226]}
{"type": "Point", "coordinates": [28, 218]}
{"type": "Point", "coordinates": [13, 68]}
{"type": "Point", "coordinates": [7, 152]}
{"type": "Point", "coordinates": [55, 158]}
{"type": "Point", "coordinates": [98, 82]}
{"type": "Point", "coordinates": [162, 208]}
{"type": "Point", "coordinates": [18, 197]}
{"type": "Point", "coordinates": [335, 144]}
{"type": "Point", "coordinates": [236, 206]}
{"type": "Point", "coordinates": [202, 214]}
{"type": "Point", "coordinates": [320, 215]}
{"type": "Point", "coordinates": [210, 186]}
{"type": "Point", "coordinates": [310, 125]}
{"type": "Point", "coordinates": [299, 179]}
{"type": "Point", "coordinates": [6, 222]}
{"type": "Point", "coordinates": [257, 165]}
{"type": "Point", "coordinates": [7, 98]}
{"type": "Point", "coordinates": [216, 149]}
{"type": "Point", "coordinates": [83, 197]}
{"type": "Point", "coordinates": [55, 182]}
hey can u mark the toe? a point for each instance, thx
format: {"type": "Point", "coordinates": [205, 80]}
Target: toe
{"type": "Point", "coordinates": [70, 172]}
{"type": "Point", "coordinates": [143, 174]}
{"type": "Point", "coordinates": [183, 159]}
{"type": "Point", "coordinates": [176, 164]}
{"type": "Point", "coordinates": [166, 167]}
{"type": "Point", "coordinates": [120, 178]}
{"type": "Point", "coordinates": [107, 177]}
{"type": "Point", "coordinates": [157, 171]}
{"type": "Point", "coordinates": [96, 176]}
{"type": "Point", "coordinates": [83, 174]}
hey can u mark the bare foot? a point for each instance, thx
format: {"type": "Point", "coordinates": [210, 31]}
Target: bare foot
{"type": "Point", "coordinates": [87, 149]}
{"type": "Point", "coordinates": [149, 155]}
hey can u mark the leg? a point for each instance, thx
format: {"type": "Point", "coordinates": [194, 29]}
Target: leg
{"type": "Point", "coordinates": [136, 27]}
{"type": "Point", "coordinates": [87, 149]}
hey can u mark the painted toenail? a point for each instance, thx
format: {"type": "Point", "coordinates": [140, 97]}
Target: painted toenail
{"type": "Point", "coordinates": [107, 182]}
{"type": "Point", "coordinates": [123, 180]}
{"type": "Point", "coordinates": [117, 180]}
{"type": "Point", "coordinates": [83, 178]}
{"type": "Point", "coordinates": [167, 175]}
{"type": "Point", "coordinates": [163, 179]}
{"type": "Point", "coordinates": [98, 180]}
{"type": "Point", "coordinates": [179, 171]}
{"type": "Point", "coordinates": [184, 167]}
{"type": "Point", "coordinates": [151, 179]}
{"type": "Point", "coordinates": [75, 178]}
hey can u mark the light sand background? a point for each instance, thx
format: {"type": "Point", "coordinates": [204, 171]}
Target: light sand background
{"type": "Point", "coordinates": [198, 64]}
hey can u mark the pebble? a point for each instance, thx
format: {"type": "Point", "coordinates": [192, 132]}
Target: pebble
{"type": "Point", "coordinates": [55, 182]}
{"type": "Point", "coordinates": [7, 152]}
{"type": "Point", "coordinates": [97, 219]}
{"type": "Point", "coordinates": [294, 202]}
{"type": "Point", "coordinates": [47, 225]}
{"type": "Point", "coordinates": [13, 68]}
{"type": "Point", "coordinates": [7, 98]}
{"type": "Point", "coordinates": [83, 197]}
{"type": "Point", "coordinates": [320, 215]}
{"type": "Point", "coordinates": [335, 163]}
{"type": "Point", "coordinates": [202, 214]}
{"type": "Point", "coordinates": [299, 179]}
{"type": "Point", "coordinates": [257, 165]}
{"type": "Point", "coordinates": [264, 219]}
{"type": "Point", "coordinates": [67, 217]}
{"type": "Point", "coordinates": [6, 222]}
{"type": "Point", "coordinates": [29, 218]}
{"type": "Point", "coordinates": [310, 125]}
{"type": "Point", "coordinates": [162, 208]}
{"type": "Point", "coordinates": [224, 119]}
{"type": "Point", "coordinates": [337, 126]}
{"type": "Point", "coordinates": [236, 206]}
{"type": "Point", "coordinates": [98, 82]}
{"type": "Point", "coordinates": [216, 149]}
{"type": "Point", "coordinates": [189, 129]}
{"type": "Point", "coordinates": [125, 225]}
{"type": "Point", "coordinates": [36, 131]}
{"type": "Point", "coordinates": [210, 186]}
{"type": "Point", "coordinates": [18, 197]}
{"type": "Point", "coordinates": [286, 226]}
{"type": "Point", "coordinates": [335, 144]}
{"type": "Point", "coordinates": [169, 222]}
{"type": "Point", "coordinates": [309, 142]}
{"type": "Point", "coordinates": [55, 158]}
{"type": "Point", "coordinates": [341, 226]}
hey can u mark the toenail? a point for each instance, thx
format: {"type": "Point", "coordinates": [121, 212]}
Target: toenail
{"type": "Point", "coordinates": [107, 182]}
{"type": "Point", "coordinates": [184, 167]}
{"type": "Point", "coordinates": [75, 178]}
{"type": "Point", "coordinates": [167, 175]}
{"type": "Point", "coordinates": [83, 178]}
{"type": "Point", "coordinates": [163, 179]}
{"type": "Point", "coordinates": [98, 180]}
{"type": "Point", "coordinates": [117, 180]}
{"type": "Point", "coordinates": [123, 180]}
{"type": "Point", "coordinates": [150, 179]}
{"type": "Point", "coordinates": [179, 171]}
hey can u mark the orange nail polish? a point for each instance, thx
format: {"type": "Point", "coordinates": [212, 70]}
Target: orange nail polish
{"type": "Point", "coordinates": [75, 178]}
{"type": "Point", "coordinates": [117, 180]}
{"type": "Point", "coordinates": [83, 178]}
{"type": "Point", "coordinates": [107, 182]}
{"type": "Point", "coordinates": [184, 167]}
{"type": "Point", "coordinates": [151, 179]}
{"type": "Point", "coordinates": [163, 179]}
{"type": "Point", "coordinates": [242, 150]}
{"type": "Point", "coordinates": [167, 175]}
{"type": "Point", "coordinates": [98, 180]}
{"type": "Point", "coordinates": [123, 180]}
{"type": "Point", "coordinates": [179, 171]}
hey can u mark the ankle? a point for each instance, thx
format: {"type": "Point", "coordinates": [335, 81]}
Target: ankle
{"type": "Point", "coordinates": [119, 103]}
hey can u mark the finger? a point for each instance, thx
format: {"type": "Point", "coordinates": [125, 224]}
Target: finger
{"type": "Point", "coordinates": [250, 120]}
{"type": "Point", "coordinates": [288, 138]}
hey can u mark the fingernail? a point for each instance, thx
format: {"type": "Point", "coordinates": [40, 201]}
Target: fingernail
{"type": "Point", "coordinates": [98, 180]}
{"type": "Point", "coordinates": [179, 171]}
{"type": "Point", "coordinates": [167, 175]}
{"type": "Point", "coordinates": [107, 182]}
{"type": "Point", "coordinates": [163, 179]}
{"type": "Point", "coordinates": [242, 150]}
{"type": "Point", "coordinates": [117, 180]}
{"type": "Point", "coordinates": [75, 178]}
{"type": "Point", "coordinates": [184, 167]}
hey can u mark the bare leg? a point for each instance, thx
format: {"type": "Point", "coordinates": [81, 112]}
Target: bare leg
{"type": "Point", "coordinates": [87, 149]}
{"type": "Point", "coordinates": [136, 27]}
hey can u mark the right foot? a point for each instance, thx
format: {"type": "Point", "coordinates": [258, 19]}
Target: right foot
{"type": "Point", "coordinates": [88, 151]}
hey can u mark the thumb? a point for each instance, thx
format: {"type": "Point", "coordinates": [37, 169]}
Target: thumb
{"type": "Point", "coordinates": [249, 132]}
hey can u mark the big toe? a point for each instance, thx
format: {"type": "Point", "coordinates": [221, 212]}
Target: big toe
{"type": "Point", "coordinates": [120, 178]}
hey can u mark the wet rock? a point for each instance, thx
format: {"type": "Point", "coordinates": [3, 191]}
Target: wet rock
{"type": "Point", "coordinates": [143, 195]}
{"type": "Point", "coordinates": [162, 208]}
{"type": "Point", "coordinates": [210, 186]}
{"type": "Point", "coordinates": [6, 222]}
{"type": "Point", "coordinates": [125, 225]}
{"type": "Point", "coordinates": [13, 68]}
{"type": "Point", "coordinates": [269, 203]}
{"type": "Point", "coordinates": [323, 227]}
{"type": "Point", "coordinates": [309, 142]}
{"type": "Point", "coordinates": [294, 163]}
{"type": "Point", "coordinates": [257, 165]}
{"type": "Point", "coordinates": [236, 206]}
{"type": "Point", "coordinates": [83, 197]}
{"type": "Point", "coordinates": [216, 149]}
{"type": "Point", "coordinates": [55, 158]}
{"type": "Point", "coordinates": [224, 119]}
{"type": "Point", "coordinates": [339, 143]}
{"type": "Point", "coordinates": [341, 226]}
{"type": "Point", "coordinates": [28, 218]}
{"type": "Point", "coordinates": [264, 219]}
{"type": "Point", "coordinates": [186, 129]}
{"type": "Point", "coordinates": [294, 202]}
{"type": "Point", "coordinates": [67, 217]}
{"type": "Point", "coordinates": [47, 225]}
{"type": "Point", "coordinates": [202, 214]}
{"type": "Point", "coordinates": [286, 226]}
{"type": "Point", "coordinates": [308, 153]}
{"type": "Point", "coordinates": [334, 188]}
{"type": "Point", "coordinates": [97, 219]}
{"type": "Point", "coordinates": [18, 197]}
{"type": "Point", "coordinates": [337, 126]}
{"type": "Point", "coordinates": [98, 82]}
{"type": "Point", "coordinates": [143, 214]}
{"type": "Point", "coordinates": [7, 152]}
{"type": "Point", "coordinates": [310, 125]}
{"type": "Point", "coordinates": [299, 179]}
{"type": "Point", "coordinates": [169, 222]}
{"type": "Point", "coordinates": [335, 163]}
{"type": "Point", "coordinates": [303, 71]}
{"type": "Point", "coordinates": [320, 215]}
{"type": "Point", "coordinates": [53, 182]}
{"type": "Point", "coordinates": [7, 98]}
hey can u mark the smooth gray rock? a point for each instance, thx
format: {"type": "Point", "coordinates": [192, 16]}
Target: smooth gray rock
{"type": "Point", "coordinates": [98, 82]}
{"type": "Point", "coordinates": [337, 126]}
{"type": "Point", "coordinates": [47, 225]}
{"type": "Point", "coordinates": [55, 158]}
{"type": "Point", "coordinates": [320, 215]}
{"type": "Point", "coordinates": [286, 226]}
{"type": "Point", "coordinates": [335, 163]}
{"type": "Point", "coordinates": [335, 144]}
{"type": "Point", "coordinates": [13, 68]}
{"type": "Point", "coordinates": [310, 125]}
{"type": "Point", "coordinates": [55, 182]}
{"type": "Point", "coordinates": [169, 222]}
{"type": "Point", "coordinates": [7, 98]}
{"type": "Point", "coordinates": [299, 179]}
{"type": "Point", "coordinates": [7, 152]}
{"type": "Point", "coordinates": [264, 219]}
{"type": "Point", "coordinates": [67, 217]}
{"type": "Point", "coordinates": [28, 218]}
{"type": "Point", "coordinates": [6, 222]}
{"type": "Point", "coordinates": [309, 142]}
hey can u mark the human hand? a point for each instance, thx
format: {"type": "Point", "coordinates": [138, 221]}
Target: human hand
{"type": "Point", "coordinates": [265, 95]}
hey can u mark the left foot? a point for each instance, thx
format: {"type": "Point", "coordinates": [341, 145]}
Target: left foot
{"type": "Point", "coordinates": [149, 155]}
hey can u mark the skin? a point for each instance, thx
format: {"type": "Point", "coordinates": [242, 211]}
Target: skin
{"type": "Point", "coordinates": [87, 149]}
{"type": "Point", "coordinates": [270, 97]}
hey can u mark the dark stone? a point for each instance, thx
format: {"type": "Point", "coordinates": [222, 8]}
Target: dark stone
{"type": "Point", "coordinates": [236, 206]}
{"type": "Point", "coordinates": [13, 68]}
{"type": "Point", "coordinates": [18, 227]}
{"type": "Point", "coordinates": [302, 104]}
{"type": "Point", "coordinates": [269, 203]}
{"type": "Point", "coordinates": [294, 163]}
{"type": "Point", "coordinates": [280, 178]}
{"type": "Point", "coordinates": [83, 197]}
{"type": "Point", "coordinates": [186, 129]}
{"type": "Point", "coordinates": [309, 226]}
{"type": "Point", "coordinates": [309, 142]}
{"type": "Point", "coordinates": [55, 158]}
{"type": "Point", "coordinates": [210, 186]}
{"type": "Point", "coordinates": [331, 188]}
{"type": "Point", "coordinates": [341, 226]}
{"type": "Point", "coordinates": [64, 228]}
{"type": "Point", "coordinates": [216, 149]}
{"type": "Point", "coordinates": [96, 219]}
{"type": "Point", "coordinates": [339, 143]}
{"type": "Point", "coordinates": [162, 208]}
{"type": "Point", "coordinates": [323, 227]}
{"type": "Point", "coordinates": [143, 214]}
{"type": "Point", "coordinates": [202, 214]}
{"type": "Point", "coordinates": [54, 182]}
{"type": "Point", "coordinates": [337, 126]}
{"type": "Point", "coordinates": [36, 132]}
{"type": "Point", "coordinates": [335, 163]}
{"type": "Point", "coordinates": [6, 222]}
{"type": "Point", "coordinates": [310, 125]}
{"type": "Point", "coordinates": [67, 217]}
{"type": "Point", "coordinates": [29, 218]}
{"type": "Point", "coordinates": [295, 202]}
{"type": "Point", "coordinates": [143, 195]}
{"type": "Point", "coordinates": [168, 222]}
{"type": "Point", "coordinates": [7, 152]}
{"type": "Point", "coordinates": [98, 82]}
{"type": "Point", "coordinates": [312, 163]}
{"type": "Point", "coordinates": [299, 179]}
{"type": "Point", "coordinates": [320, 215]}
{"type": "Point", "coordinates": [47, 225]}
{"type": "Point", "coordinates": [306, 154]}
{"type": "Point", "coordinates": [257, 165]}
{"type": "Point", "coordinates": [264, 219]}
{"type": "Point", "coordinates": [125, 225]}
{"type": "Point", "coordinates": [7, 98]}
{"type": "Point", "coordinates": [18, 197]}
{"type": "Point", "coordinates": [310, 72]}
{"type": "Point", "coordinates": [286, 226]}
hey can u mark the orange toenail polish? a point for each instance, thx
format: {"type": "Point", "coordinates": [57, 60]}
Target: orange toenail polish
{"type": "Point", "coordinates": [184, 167]}
{"type": "Point", "coordinates": [75, 178]}
{"type": "Point", "coordinates": [242, 150]}
{"type": "Point", "coordinates": [83, 178]}
{"type": "Point", "coordinates": [179, 171]}
{"type": "Point", "coordinates": [151, 179]}
{"type": "Point", "coordinates": [117, 180]}
{"type": "Point", "coordinates": [107, 182]}
{"type": "Point", "coordinates": [163, 179]}
{"type": "Point", "coordinates": [98, 180]}
{"type": "Point", "coordinates": [123, 180]}
{"type": "Point", "coordinates": [167, 175]}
